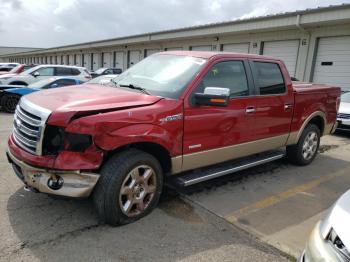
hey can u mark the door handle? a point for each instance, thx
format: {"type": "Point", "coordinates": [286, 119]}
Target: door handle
{"type": "Point", "coordinates": [250, 110]}
{"type": "Point", "coordinates": [288, 107]}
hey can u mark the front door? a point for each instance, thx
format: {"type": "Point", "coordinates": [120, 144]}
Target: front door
{"type": "Point", "coordinates": [212, 132]}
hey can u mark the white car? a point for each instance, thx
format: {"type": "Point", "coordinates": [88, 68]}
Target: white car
{"type": "Point", "coordinates": [45, 71]}
{"type": "Point", "coordinates": [344, 112]}
{"type": "Point", "coordinates": [330, 240]}
{"type": "Point", "coordinates": [104, 80]}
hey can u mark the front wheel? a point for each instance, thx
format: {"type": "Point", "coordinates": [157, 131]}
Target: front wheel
{"type": "Point", "coordinates": [9, 102]}
{"type": "Point", "coordinates": [304, 152]}
{"type": "Point", "coordinates": [129, 188]}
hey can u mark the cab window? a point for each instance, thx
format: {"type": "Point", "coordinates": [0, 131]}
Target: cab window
{"type": "Point", "coordinates": [45, 71]}
{"type": "Point", "coordinates": [228, 74]}
{"type": "Point", "coordinates": [269, 78]}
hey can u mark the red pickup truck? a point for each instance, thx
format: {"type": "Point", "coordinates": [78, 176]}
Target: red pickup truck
{"type": "Point", "coordinates": [176, 117]}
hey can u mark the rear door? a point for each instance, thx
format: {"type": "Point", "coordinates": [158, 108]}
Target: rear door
{"type": "Point", "coordinates": [273, 104]}
{"type": "Point", "coordinates": [211, 131]}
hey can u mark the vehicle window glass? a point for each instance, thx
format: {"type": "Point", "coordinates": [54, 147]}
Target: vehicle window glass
{"type": "Point", "coordinates": [75, 72]}
{"type": "Point", "coordinates": [45, 71]}
{"type": "Point", "coordinates": [269, 78]}
{"type": "Point", "coordinates": [162, 74]}
{"type": "Point", "coordinates": [230, 74]}
{"type": "Point", "coordinates": [345, 97]}
{"type": "Point", "coordinates": [63, 71]}
{"type": "Point", "coordinates": [66, 82]}
{"type": "Point", "coordinates": [117, 71]}
{"type": "Point", "coordinates": [108, 72]}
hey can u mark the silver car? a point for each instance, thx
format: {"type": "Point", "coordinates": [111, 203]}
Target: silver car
{"type": "Point", "coordinates": [104, 80]}
{"type": "Point", "coordinates": [46, 71]}
{"type": "Point", "coordinates": [330, 239]}
{"type": "Point", "coordinates": [344, 112]}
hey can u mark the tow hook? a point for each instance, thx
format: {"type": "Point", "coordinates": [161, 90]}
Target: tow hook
{"type": "Point", "coordinates": [30, 189]}
{"type": "Point", "coordinates": [55, 182]}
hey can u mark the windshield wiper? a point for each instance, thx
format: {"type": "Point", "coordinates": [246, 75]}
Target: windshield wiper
{"type": "Point", "coordinates": [131, 86]}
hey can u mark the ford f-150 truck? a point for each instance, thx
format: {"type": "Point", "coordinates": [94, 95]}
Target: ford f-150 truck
{"type": "Point", "coordinates": [177, 117]}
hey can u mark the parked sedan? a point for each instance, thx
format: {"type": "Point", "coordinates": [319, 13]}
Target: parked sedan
{"type": "Point", "coordinates": [106, 71]}
{"type": "Point", "coordinates": [10, 94]}
{"type": "Point", "coordinates": [344, 112]}
{"type": "Point", "coordinates": [45, 71]}
{"type": "Point", "coordinates": [330, 239]}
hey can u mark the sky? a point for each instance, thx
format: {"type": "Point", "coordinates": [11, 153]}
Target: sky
{"type": "Point", "coordinates": [50, 23]}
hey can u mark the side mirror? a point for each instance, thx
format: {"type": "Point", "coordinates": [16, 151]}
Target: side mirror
{"type": "Point", "coordinates": [213, 96]}
{"type": "Point", "coordinates": [36, 74]}
{"type": "Point", "coordinates": [54, 85]}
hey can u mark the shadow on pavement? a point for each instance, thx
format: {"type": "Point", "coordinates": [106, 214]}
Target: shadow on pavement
{"type": "Point", "coordinates": [66, 229]}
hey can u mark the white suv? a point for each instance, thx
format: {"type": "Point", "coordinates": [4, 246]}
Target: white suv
{"type": "Point", "coordinates": [46, 71]}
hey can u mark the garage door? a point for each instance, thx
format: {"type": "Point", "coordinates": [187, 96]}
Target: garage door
{"type": "Point", "coordinates": [173, 48]}
{"type": "Point", "coordinates": [151, 51]}
{"type": "Point", "coordinates": [96, 61]}
{"type": "Point", "coordinates": [134, 57]}
{"type": "Point", "coordinates": [284, 50]}
{"type": "Point", "coordinates": [87, 61]}
{"type": "Point", "coordinates": [119, 60]}
{"type": "Point", "coordinates": [71, 59]}
{"type": "Point", "coordinates": [332, 64]}
{"type": "Point", "coordinates": [107, 59]}
{"type": "Point", "coordinates": [78, 59]}
{"type": "Point", "coordinates": [201, 48]}
{"type": "Point", "coordinates": [237, 48]}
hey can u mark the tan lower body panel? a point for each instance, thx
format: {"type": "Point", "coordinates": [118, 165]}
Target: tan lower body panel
{"type": "Point", "coordinates": [218, 155]}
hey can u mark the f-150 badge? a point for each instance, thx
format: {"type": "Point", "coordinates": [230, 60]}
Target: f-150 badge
{"type": "Point", "coordinates": [171, 118]}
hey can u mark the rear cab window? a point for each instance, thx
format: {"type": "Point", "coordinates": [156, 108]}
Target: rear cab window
{"type": "Point", "coordinates": [268, 78]}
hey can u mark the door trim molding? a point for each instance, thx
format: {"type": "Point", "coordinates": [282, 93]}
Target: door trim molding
{"type": "Point", "coordinates": [218, 155]}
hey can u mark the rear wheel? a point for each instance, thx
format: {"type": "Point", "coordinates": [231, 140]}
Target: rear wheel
{"type": "Point", "coordinates": [304, 152]}
{"type": "Point", "coordinates": [9, 102]}
{"type": "Point", "coordinates": [129, 187]}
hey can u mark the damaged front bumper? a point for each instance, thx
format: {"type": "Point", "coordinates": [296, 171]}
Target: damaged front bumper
{"type": "Point", "coordinates": [58, 182]}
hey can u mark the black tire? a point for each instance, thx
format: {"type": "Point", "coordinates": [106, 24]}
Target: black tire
{"type": "Point", "coordinates": [297, 155]}
{"type": "Point", "coordinates": [107, 195]}
{"type": "Point", "coordinates": [9, 102]}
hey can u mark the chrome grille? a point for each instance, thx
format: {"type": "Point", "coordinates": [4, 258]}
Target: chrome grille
{"type": "Point", "coordinates": [344, 116]}
{"type": "Point", "coordinates": [28, 125]}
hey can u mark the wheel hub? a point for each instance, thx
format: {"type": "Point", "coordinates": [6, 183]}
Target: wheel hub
{"type": "Point", "coordinates": [137, 191]}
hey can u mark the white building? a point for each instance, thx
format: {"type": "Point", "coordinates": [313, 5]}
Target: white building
{"type": "Point", "coordinates": [314, 43]}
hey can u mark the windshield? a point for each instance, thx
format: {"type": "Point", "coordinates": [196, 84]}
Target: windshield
{"type": "Point", "coordinates": [100, 71]}
{"type": "Point", "coordinates": [162, 75]}
{"type": "Point", "coordinates": [346, 97]}
{"type": "Point", "coordinates": [42, 83]}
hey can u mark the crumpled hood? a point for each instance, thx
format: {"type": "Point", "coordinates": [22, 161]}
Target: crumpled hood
{"type": "Point", "coordinates": [66, 102]}
{"type": "Point", "coordinates": [339, 218]}
{"type": "Point", "coordinates": [89, 97]}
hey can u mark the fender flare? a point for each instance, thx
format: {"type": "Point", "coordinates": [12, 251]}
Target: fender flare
{"type": "Point", "coordinates": [294, 136]}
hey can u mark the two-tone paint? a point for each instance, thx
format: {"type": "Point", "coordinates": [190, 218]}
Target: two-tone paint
{"type": "Point", "coordinates": [183, 135]}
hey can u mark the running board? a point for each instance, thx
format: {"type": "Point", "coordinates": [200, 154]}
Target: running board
{"type": "Point", "coordinates": [203, 174]}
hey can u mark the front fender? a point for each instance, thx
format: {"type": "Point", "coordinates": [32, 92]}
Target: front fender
{"type": "Point", "coordinates": [139, 133]}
